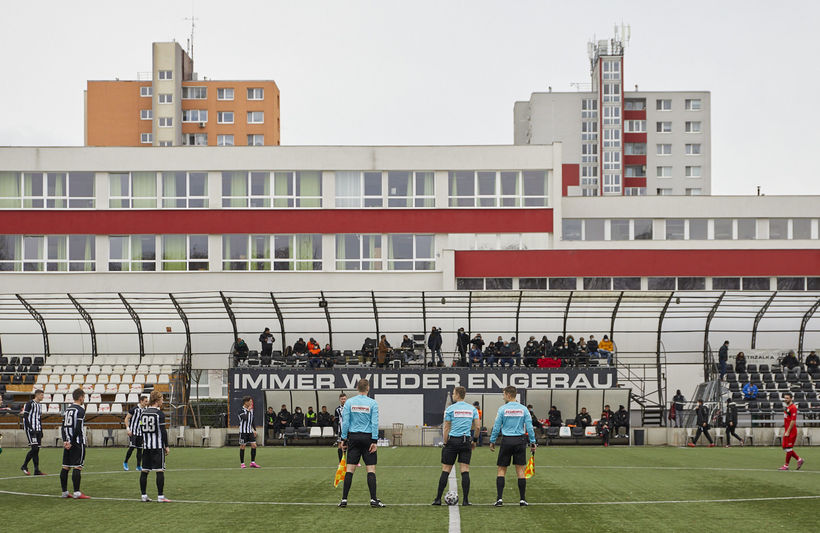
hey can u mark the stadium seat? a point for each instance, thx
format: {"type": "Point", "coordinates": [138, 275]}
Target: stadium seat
{"type": "Point", "coordinates": [718, 436]}
{"type": "Point", "coordinates": [46, 398]}
{"type": "Point", "coordinates": [806, 436]}
{"type": "Point", "coordinates": [151, 379]}
{"type": "Point", "coordinates": [114, 378]}
{"type": "Point", "coordinates": [70, 369]}
{"type": "Point", "coordinates": [88, 388]}
{"type": "Point", "coordinates": [91, 378]}
{"type": "Point", "coordinates": [303, 432]}
{"type": "Point", "coordinates": [166, 369]}
{"type": "Point", "coordinates": [163, 379]}
{"type": "Point", "coordinates": [119, 398]}
{"type": "Point", "coordinates": [133, 397]}
{"type": "Point", "coordinates": [94, 369]}
{"type": "Point", "coordinates": [118, 369]}
{"type": "Point", "coordinates": [553, 431]}
{"type": "Point", "coordinates": [127, 378]}
{"type": "Point", "coordinates": [14, 360]}
{"type": "Point", "coordinates": [590, 431]}
{"type": "Point", "coordinates": [778, 436]}
{"type": "Point", "coordinates": [54, 378]}
{"type": "Point", "coordinates": [124, 388]}
{"type": "Point", "coordinates": [102, 378]}
{"type": "Point", "coordinates": [67, 378]}
{"type": "Point", "coordinates": [116, 409]}
{"type": "Point", "coordinates": [751, 368]}
{"type": "Point", "coordinates": [39, 361]}
{"type": "Point", "coordinates": [106, 369]}
{"type": "Point", "coordinates": [315, 431]}
{"type": "Point", "coordinates": [105, 408]}
{"type": "Point", "coordinates": [57, 398]}
{"type": "Point", "coordinates": [91, 409]}
{"type": "Point", "coordinates": [57, 369]}
{"type": "Point", "coordinates": [50, 388]}
{"type": "Point", "coordinates": [53, 408]}
{"type": "Point", "coordinates": [139, 378]}
{"type": "Point", "coordinates": [328, 432]}
{"type": "Point", "coordinates": [111, 388]}
{"type": "Point", "coordinates": [289, 432]}
{"type": "Point", "coordinates": [181, 436]}
{"type": "Point", "coordinates": [130, 369]}
{"type": "Point", "coordinates": [137, 387]}
{"type": "Point", "coordinates": [63, 387]}
{"type": "Point", "coordinates": [154, 369]}
{"type": "Point", "coordinates": [95, 398]}
{"type": "Point", "coordinates": [577, 432]}
{"type": "Point", "coordinates": [99, 388]}
{"type": "Point", "coordinates": [42, 379]}
{"type": "Point", "coordinates": [564, 431]}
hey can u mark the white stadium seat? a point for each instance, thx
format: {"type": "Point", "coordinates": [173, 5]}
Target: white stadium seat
{"type": "Point", "coordinates": [127, 378]}
{"type": "Point", "coordinates": [88, 388]}
{"type": "Point", "coordinates": [66, 378]}
{"type": "Point", "coordinates": [130, 369]}
{"type": "Point", "coordinates": [62, 387]}
{"type": "Point", "coordinates": [165, 369]}
{"type": "Point", "coordinates": [118, 369]}
{"type": "Point", "coordinates": [46, 369]}
{"type": "Point", "coordinates": [95, 398]}
{"type": "Point", "coordinates": [116, 409]}
{"type": "Point", "coordinates": [119, 398]}
{"type": "Point", "coordinates": [57, 398]}
{"type": "Point", "coordinates": [94, 369]}
{"type": "Point", "coordinates": [137, 387]}
{"type": "Point", "coordinates": [57, 369]}
{"type": "Point", "coordinates": [124, 387]}
{"type": "Point", "coordinates": [78, 378]}
{"type": "Point", "coordinates": [42, 379]}
{"type": "Point", "coordinates": [91, 378]}
{"type": "Point", "coordinates": [53, 408]}
{"type": "Point", "coordinates": [99, 388]}
{"type": "Point", "coordinates": [46, 398]}
{"type": "Point", "coordinates": [102, 378]}
{"type": "Point", "coordinates": [139, 378]}
{"type": "Point", "coordinates": [133, 397]}
{"type": "Point", "coordinates": [315, 431]}
{"type": "Point", "coordinates": [163, 378]}
{"type": "Point", "coordinates": [70, 369]}
{"type": "Point", "coordinates": [105, 408]}
{"type": "Point", "coordinates": [54, 378]}
{"type": "Point", "coordinates": [111, 388]}
{"type": "Point", "coordinates": [50, 388]}
{"type": "Point", "coordinates": [151, 379]}
{"type": "Point", "coordinates": [154, 369]}
{"type": "Point", "coordinates": [114, 378]}
{"type": "Point", "coordinates": [91, 409]}
{"type": "Point", "coordinates": [327, 431]}
{"type": "Point", "coordinates": [106, 369]}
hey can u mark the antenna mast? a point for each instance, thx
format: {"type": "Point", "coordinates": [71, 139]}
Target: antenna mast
{"type": "Point", "coordinates": [193, 20]}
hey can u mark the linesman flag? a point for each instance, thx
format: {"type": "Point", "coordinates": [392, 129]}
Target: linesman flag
{"type": "Point", "coordinates": [340, 472]}
{"type": "Point", "coordinates": [530, 470]}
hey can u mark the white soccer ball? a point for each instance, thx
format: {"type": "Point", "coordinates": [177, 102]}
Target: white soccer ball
{"type": "Point", "coordinates": [451, 498]}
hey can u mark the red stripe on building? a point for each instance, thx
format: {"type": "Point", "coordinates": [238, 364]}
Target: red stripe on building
{"type": "Point", "coordinates": [220, 221]}
{"type": "Point", "coordinates": [570, 177]}
{"type": "Point", "coordinates": [634, 182]}
{"type": "Point", "coordinates": [606, 263]}
{"type": "Point", "coordinates": [635, 114]}
{"type": "Point", "coordinates": [634, 137]}
{"type": "Point", "coordinates": [634, 160]}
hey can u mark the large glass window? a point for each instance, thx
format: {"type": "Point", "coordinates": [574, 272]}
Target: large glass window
{"type": "Point", "coordinates": [10, 196]}
{"type": "Point", "coordinates": [691, 284]}
{"type": "Point", "coordinates": [675, 229]}
{"type": "Point", "coordinates": [619, 229]}
{"type": "Point", "coordinates": [801, 228]}
{"type": "Point", "coordinates": [410, 252]}
{"type": "Point", "coordinates": [594, 229]}
{"type": "Point", "coordinates": [746, 228]}
{"type": "Point", "coordinates": [52, 253]}
{"type": "Point", "coordinates": [359, 189]}
{"type": "Point", "coordinates": [571, 229]}
{"type": "Point", "coordinates": [698, 229]}
{"type": "Point", "coordinates": [356, 251]}
{"type": "Point", "coordinates": [660, 284]}
{"type": "Point", "coordinates": [563, 284]}
{"type": "Point", "coordinates": [726, 284]}
{"type": "Point", "coordinates": [194, 93]}
{"type": "Point", "coordinates": [297, 189]}
{"type": "Point", "coordinates": [410, 189]}
{"type": "Point", "coordinates": [58, 190]}
{"type": "Point", "coordinates": [756, 284]}
{"type": "Point", "coordinates": [506, 188]}
{"type": "Point", "coordinates": [498, 284]}
{"type": "Point", "coordinates": [791, 284]}
{"type": "Point", "coordinates": [470, 284]}
{"type": "Point", "coordinates": [246, 252]}
{"type": "Point", "coordinates": [532, 283]}
{"type": "Point", "coordinates": [778, 228]}
{"type": "Point", "coordinates": [643, 229]}
{"type": "Point", "coordinates": [194, 115]}
{"type": "Point", "coordinates": [132, 252]}
{"type": "Point", "coordinates": [597, 284]}
{"type": "Point", "coordinates": [297, 252]}
{"type": "Point", "coordinates": [626, 284]}
{"type": "Point", "coordinates": [185, 189]}
{"type": "Point", "coordinates": [185, 252]}
{"type": "Point", "coordinates": [133, 190]}
{"type": "Point", "coordinates": [724, 229]}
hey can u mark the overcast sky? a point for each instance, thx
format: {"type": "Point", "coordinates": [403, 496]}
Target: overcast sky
{"type": "Point", "coordinates": [437, 72]}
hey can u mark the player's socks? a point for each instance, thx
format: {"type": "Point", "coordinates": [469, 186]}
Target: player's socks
{"type": "Point", "coordinates": [522, 488]}
{"type": "Point", "coordinates": [64, 480]}
{"type": "Point", "coordinates": [371, 484]}
{"type": "Point", "coordinates": [75, 479]}
{"type": "Point", "coordinates": [346, 486]}
{"type": "Point", "coordinates": [242, 456]}
{"type": "Point", "coordinates": [499, 486]}
{"type": "Point", "coordinates": [465, 485]}
{"type": "Point", "coordinates": [253, 455]}
{"type": "Point", "coordinates": [139, 459]}
{"type": "Point", "coordinates": [27, 459]}
{"type": "Point", "coordinates": [127, 457]}
{"type": "Point", "coordinates": [160, 482]}
{"type": "Point", "coordinates": [35, 458]}
{"type": "Point", "coordinates": [442, 482]}
{"type": "Point", "coordinates": [143, 482]}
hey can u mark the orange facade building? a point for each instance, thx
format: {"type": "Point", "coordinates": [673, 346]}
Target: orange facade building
{"type": "Point", "coordinates": [174, 108]}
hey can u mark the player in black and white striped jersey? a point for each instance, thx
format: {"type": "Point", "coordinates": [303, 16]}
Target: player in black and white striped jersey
{"type": "Point", "coordinates": [132, 423]}
{"type": "Point", "coordinates": [73, 432]}
{"type": "Point", "coordinates": [155, 446]}
{"type": "Point", "coordinates": [247, 432]}
{"type": "Point", "coordinates": [32, 424]}
{"type": "Point", "coordinates": [337, 422]}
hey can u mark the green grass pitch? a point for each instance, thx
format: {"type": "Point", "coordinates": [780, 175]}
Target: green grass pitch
{"type": "Point", "coordinates": [661, 489]}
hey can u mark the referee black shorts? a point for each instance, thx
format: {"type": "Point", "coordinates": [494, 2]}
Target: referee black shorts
{"type": "Point", "coordinates": [358, 447]}
{"type": "Point", "coordinates": [513, 449]}
{"type": "Point", "coordinates": [135, 441]}
{"type": "Point", "coordinates": [74, 457]}
{"type": "Point", "coordinates": [153, 460]}
{"type": "Point", "coordinates": [35, 438]}
{"type": "Point", "coordinates": [457, 448]}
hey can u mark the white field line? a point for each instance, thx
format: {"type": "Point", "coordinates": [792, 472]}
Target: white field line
{"type": "Point", "coordinates": [455, 518]}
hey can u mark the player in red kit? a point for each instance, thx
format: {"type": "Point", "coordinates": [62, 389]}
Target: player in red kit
{"type": "Point", "coordinates": [790, 433]}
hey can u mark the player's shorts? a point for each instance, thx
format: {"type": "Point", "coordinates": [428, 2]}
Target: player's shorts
{"type": "Point", "coordinates": [513, 449]}
{"type": "Point", "coordinates": [74, 457]}
{"type": "Point", "coordinates": [35, 438]}
{"type": "Point", "coordinates": [246, 438]}
{"type": "Point", "coordinates": [457, 448]}
{"type": "Point", "coordinates": [135, 441]}
{"type": "Point", "coordinates": [153, 460]}
{"type": "Point", "coordinates": [358, 447]}
{"type": "Point", "coordinates": [789, 440]}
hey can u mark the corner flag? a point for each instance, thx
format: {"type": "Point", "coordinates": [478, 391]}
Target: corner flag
{"type": "Point", "coordinates": [340, 472]}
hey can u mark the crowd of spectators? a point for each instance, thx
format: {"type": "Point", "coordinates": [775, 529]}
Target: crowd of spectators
{"type": "Point", "coordinates": [607, 424]}
{"type": "Point", "coordinates": [275, 423]}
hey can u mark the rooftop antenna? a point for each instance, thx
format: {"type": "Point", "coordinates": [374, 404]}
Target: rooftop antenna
{"type": "Point", "coordinates": [193, 20]}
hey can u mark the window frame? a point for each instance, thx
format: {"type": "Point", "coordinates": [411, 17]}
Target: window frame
{"type": "Point", "coordinates": [165, 74]}
{"type": "Point", "coordinates": [498, 199]}
{"type": "Point", "coordinates": [192, 264]}
{"type": "Point", "coordinates": [251, 93]}
{"type": "Point", "coordinates": [197, 90]}
{"type": "Point", "coordinates": [223, 92]}
{"type": "Point", "coordinates": [373, 263]}
{"type": "Point", "coordinates": [146, 91]}
{"type": "Point", "coordinates": [127, 259]}
{"type": "Point", "coordinates": [220, 117]}
{"type": "Point", "coordinates": [188, 201]}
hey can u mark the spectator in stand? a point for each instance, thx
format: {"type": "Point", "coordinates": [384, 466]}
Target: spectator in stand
{"type": "Point", "coordinates": [750, 391]}
{"type": "Point", "coordinates": [592, 347]}
{"type": "Point", "coordinates": [324, 419]}
{"type": "Point", "coordinates": [554, 417]}
{"type": "Point", "coordinates": [545, 346]}
{"type": "Point", "coordinates": [515, 351]}
{"type": "Point", "coordinates": [723, 358]}
{"type": "Point", "coordinates": [740, 362]}
{"type": "Point", "coordinates": [791, 366]}
{"type": "Point", "coordinates": [609, 413]}
{"type": "Point", "coordinates": [299, 347]}
{"type": "Point", "coordinates": [310, 417]}
{"type": "Point", "coordinates": [505, 354]}
{"type": "Point", "coordinates": [812, 364]}
{"type": "Point", "coordinates": [604, 427]}
{"type": "Point", "coordinates": [314, 353]}
{"type": "Point", "coordinates": [490, 354]}
{"type": "Point", "coordinates": [327, 356]}
{"type": "Point", "coordinates": [531, 353]}
{"type": "Point", "coordinates": [434, 344]}
{"type": "Point", "coordinates": [606, 348]}
{"type": "Point", "coordinates": [477, 342]}
{"type": "Point", "coordinates": [621, 420]}
{"type": "Point", "coordinates": [731, 424]}
{"type": "Point", "coordinates": [702, 413]}
{"type": "Point", "coordinates": [239, 350]}
{"type": "Point", "coordinates": [571, 347]}
{"type": "Point", "coordinates": [583, 419]}
{"type": "Point", "coordinates": [582, 345]}
{"type": "Point", "coordinates": [678, 401]}
{"type": "Point", "coordinates": [298, 419]}
{"type": "Point", "coordinates": [283, 419]}
{"type": "Point", "coordinates": [267, 340]}
{"type": "Point", "coordinates": [475, 357]}
{"type": "Point", "coordinates": [384, 350]}
{"type": "Point", "coordinates": [462, 345]}
{"type": "Point", "coordinates": [270, 422]}
{"type": "Point", "coordinates": [407, 343]}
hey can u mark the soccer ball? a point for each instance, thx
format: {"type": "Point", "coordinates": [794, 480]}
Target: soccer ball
{"type": "Point", "coordinates": [451, 498]}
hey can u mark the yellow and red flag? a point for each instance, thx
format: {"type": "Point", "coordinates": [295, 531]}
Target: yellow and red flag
{"type": "Point", "coordinates": [530, 470]}
{"type": "Point", "coordinates": [340, 472]}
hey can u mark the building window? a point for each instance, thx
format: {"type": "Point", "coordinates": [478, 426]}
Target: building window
{"type": "Point", "coordinates": [356, 251]}
{"type": "Point", "coordinates": [195, 139]}
{"type": "Point", "coordinates": [756, 284]}
{"type": "Point", "coordinates": [571, 229]}
{"type": "Point", "coordinates": [612, 183]}
{"type": "Point", "coordinates": [691, 284]}
{"type": "Point", "coordinates": [746, 228]}
{"type": "Point", "coordinates": [146, 91]}
{"type": "Point", "coordinates": [297, 252]}
{"type": "Point", "coordinates": [146, 114]}
{"type": "Point", "coordinates": [185, 252]}
{"type": "Point", "coordinates": [146, 138]}
{"type": "Point", "coordinates": [359, 189]}
{"type": "Point", "coordinates": [532, 284]}
{"type": "Point", "coordinates": [778, 228]}
{"type": "Point", "coordinates": [635, 149]}
{"type": "Point", "coordinates": [698, 229]}
{"type": "Point", "coordinates": [166, 122]}
{"type": "Point", "coordinates": [663, 149]}
{"type": "Point", "coordinates": [256, 93]}
{"type": "Point", "coordinates": [693, 126]}
{"type": "Point", "coordinates": [597, 284]}
{"type": "Point", "coordinates": [194, 115]}
{"type": "Point", "coordinates": [612, 138]}
{"type": "Point", "coordinates": [470, 284]}
{"type": "Point", "coordinates": [693, 171]}
{"type": "Point", "coordinates": [224, 94]}
{"type": "Point", "coordinates": [299, 189]}
{"type": "Point", "coordinates": [693, 104]}
{"type": "Point", "coordinates": [166, 98]}
{"type": "Point", "coordinates": [791, 284]}
{"type": "Point", "coordinates": [724, 229]}
{"type": "Point", "coordinates": [589, 108]}
{"type": "Point", "coordinates": [563, 284]}
{"type": "Point", "coordinates": [183, 190]}
{"type": "Point", "coordinates": [224, 140]}
{"type": "Point", "coordinates": [663, 191]}
{"type": "Point", "coordinates": [612, 70]}
{"type": "Point", "coordinates": [589, 131]}
{"type": "Point", "coordinates": [643, 229]}
{"type": "Point", "coordinates": [663, 105]}
{"type": "Point", "coordinates": [619, 229]}
{"type": "Point", "coordinates": [256, 117]}
{"type": "Point", "coordinates": [166, 74]}
{"type": "Point", "coordinates": [663, 172]}
{"type": "Point", "coordinates": [663, 127]}
{"type": "Point", "coordinates": [256, 140]}
{"type": "Point", "coordinates": [290, 189]}
{"type": "Point", "coordinates": [634, 104]}
{"type": "Point", "coordinates": [410, 252]}
{"type": "Point", "coordinates": [635, 126]}
{"type": "Point", "coordinates": [675, 229]}
{"type": "Point", "coordinates": [594, 229]}
{"type": "Point", "coordinates": [693, 149]}
{"type": "Point", "coordinates": [660, 284]}
{"type": "Point", "coordinates": [813, 284]}
{"type": "Point", "coordinates": [194, 93]}
{"type": "Point", "coordinates": [165, 143]}
{"type": "Point", "coordinates": [410, 189]}
{"type": "Point", "coordinates": [133, 190]}
{"type": "Point", "coordinates": [635, 171]}
{"type": "Point", "coordinates": [498, 284]}
{"type": "Point", "coordinates": [801, 228]}
{"type": "Point", "coordinates": [612, 115]}
{"type": "Point", "coordinates": [224, 117]}
{"type": "Point", "coordinates": [726, 284]}
{"type": "Point", "coordinates": [634, 191]}
{"type": "Point", "coordinates": [52, 190]}
{"type": "Point", "coordinates": [469, 188]}
{"type": "Point", "coordinates": [626, 284]}
{"type": "Point", "coordinates": [589, 153]}
{"type": "Point", "coordinates": [132, 252]}
{"type": "Point", "coordinates": [290, 252]}
{"type": "Point", "coordinates": [47, 253]}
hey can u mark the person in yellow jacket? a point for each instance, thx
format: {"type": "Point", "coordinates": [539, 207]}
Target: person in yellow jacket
{"type": "Point", "coordinates": [606, 348]}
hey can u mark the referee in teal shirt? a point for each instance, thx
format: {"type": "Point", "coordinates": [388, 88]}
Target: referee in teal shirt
{"type": "Point", "coordinates": [513, 421]}
{"type": "Point", "coordinates": [360, 433]}
{"type": "Point", "coordinates": [460, 423]}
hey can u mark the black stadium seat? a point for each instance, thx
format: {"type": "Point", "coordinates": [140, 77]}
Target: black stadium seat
{"type": "Point", "coordinates": [4, 361]}
{"type": "Point", "coordinates": [764, 368]}
{"type": "Point", "coordinates": [26, 361]}
{"type": "Point", "coordinates": [39, 361]}
{"type": "Point", "coordinates": [14, 360]}
{"type": "Point", "coordinates": [552, 432]}
{"type": "Point", "coordinates": [577, 432]}
{"type": "Point", "coordinates": [266, 360]}
{"type": "Point", "coordinates": [750, 368]}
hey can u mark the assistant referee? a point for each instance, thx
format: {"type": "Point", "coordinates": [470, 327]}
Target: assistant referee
{"type": "Point", "coordinates": [460, 423]}
{"type": "Point", "coordinates": [360, 433]}
{"type": "Point", "coordinates": [514, 422]}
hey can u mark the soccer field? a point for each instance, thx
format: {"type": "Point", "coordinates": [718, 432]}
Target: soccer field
{"type": "Point", "coordinates": [574, 489]}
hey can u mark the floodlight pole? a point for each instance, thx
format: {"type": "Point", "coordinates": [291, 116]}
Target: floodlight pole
{"type": "Point", "coordinates": [424, 325]}
{"type": "Point", "coordinates": [90, 322]}
{"type": "Point", "coordinates": [135, 317]}
{"type": "Point", "coordinates": [759, 316]}
{"type": "Point", "coordinates": [41, 321]}
{"type": "Point", "coordinates": [518, 315]}
{"type": "Point", "coordinates": [375, 313]}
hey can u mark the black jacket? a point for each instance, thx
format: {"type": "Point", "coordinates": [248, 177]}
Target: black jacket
{"type": "Point", "coordinates": [555, 418]}
{"type": "Point", "coordinates": [592, 346]}
{"type": "Point", "coordinates": [583, 420]}
{"type": "Point", "coordinates": [265, 336]}
{"type": "Point", "coordinates": [703, 415]}
{"type": "Point", "coordinates": [283, 417]}
{"type": "Point", "coordinates": [812, 361]}
{"type": "Point", "coordinates": [463, 342]}
{"type": "Point", "coordinates": [531, 349]}
{"type": "Point", "coordinates": [300, 347]}
{"type": "Point", "coordinates": [477, 343]}
{"type": "Point", "coordinates": [515, 348]}
{"type": "Point", "coordinates": [535, 422]}
{"type": "Point", "coordinates": [324, 419]}
{"type": "Point", "coordinates": [298, 420]}
{"type": "Point", "coordinates": [731, 415]}
{"type": "Point", "coordinates": [678, 400]}
{"type": "Point", "coordinates": [622, 418]}
{"type": "Point", "coordinates": [723, 353]}
{"type": "Point", "coordinates": [434, 340]}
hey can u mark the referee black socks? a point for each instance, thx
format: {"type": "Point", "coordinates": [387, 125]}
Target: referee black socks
{"type": "Point", "coordinates": [64, 479]}
{"type": "Point", "coordinates": [160, 483]}
{"type": "Point", "coordinates": [442, 482]}
{"type": "Point", "coordinates": [465, 485]}
{"type": "Point", "coordinates": [348, 482]}
{"type": "Point", "coordinates": [499, 486]}
{"type": "Point", "coordinates": [522, 488]}
{"type": "Point", "coordinates": [371, 484]}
